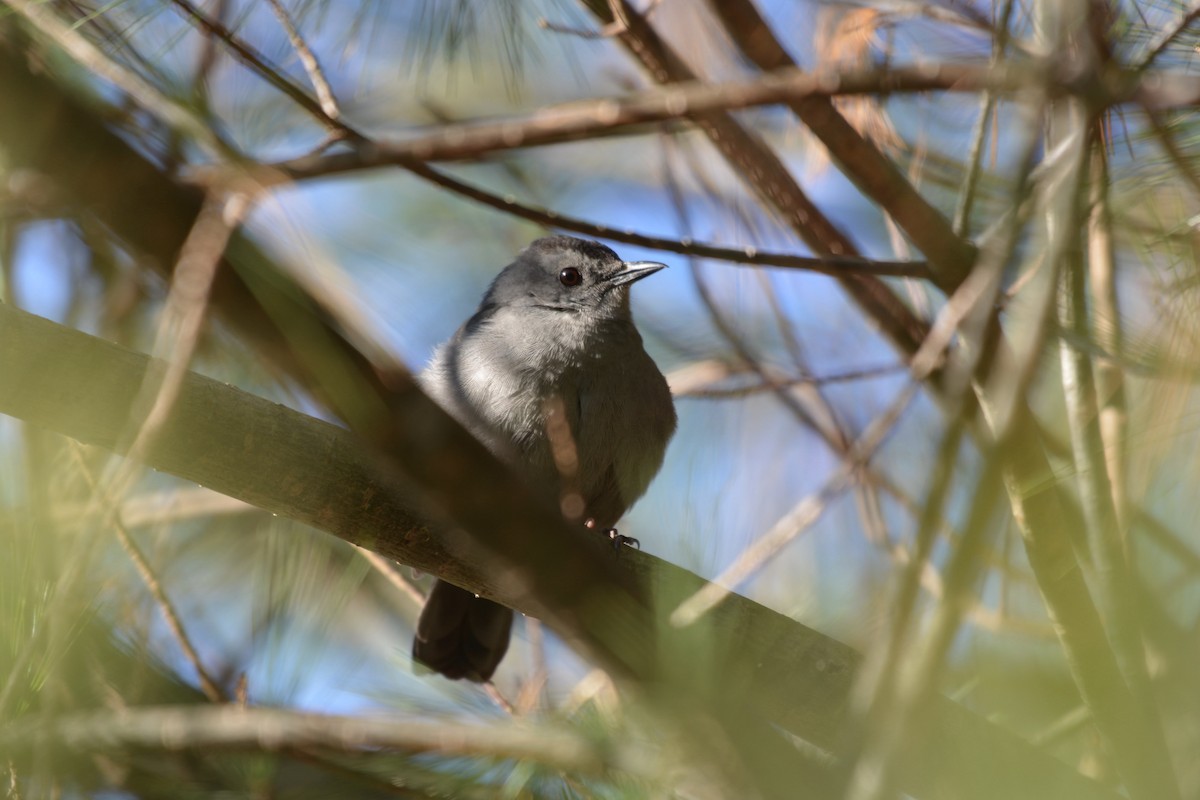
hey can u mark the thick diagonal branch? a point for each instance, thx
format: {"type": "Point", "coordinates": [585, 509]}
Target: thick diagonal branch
{"type": "Point", "coordinates": [320, 474]}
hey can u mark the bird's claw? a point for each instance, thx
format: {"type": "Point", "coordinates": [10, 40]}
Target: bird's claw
{"type": "Point", "coordinates": [618, 539]}
{"type": "Point", "coordinates": [615, 536]}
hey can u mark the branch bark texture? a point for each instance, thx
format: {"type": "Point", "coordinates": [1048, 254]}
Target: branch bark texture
{"type": "Point", "coordinates": [323, 475]}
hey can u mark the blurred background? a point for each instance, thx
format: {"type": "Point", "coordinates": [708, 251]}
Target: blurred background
{"type": "Point", "coordinates": [124, 587]}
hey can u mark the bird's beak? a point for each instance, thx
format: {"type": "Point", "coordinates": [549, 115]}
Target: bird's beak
{"type": "Point", "coordinates": [634, 271]}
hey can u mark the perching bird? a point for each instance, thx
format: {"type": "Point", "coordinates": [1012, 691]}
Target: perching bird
{"type": "Point", "coordinates": [554, 331]}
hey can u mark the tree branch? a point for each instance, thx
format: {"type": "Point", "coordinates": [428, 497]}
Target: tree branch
{"type": "Point", "coordinates": [874, 174]}
{"type": "Point", "coordinates": [180, 728]}
{"type": "Point", "coordinates": [321, 475]}
{"type": "Point", "coordinates": [767, 176]}
{"type": "Point", "coordinates": [585, 119]}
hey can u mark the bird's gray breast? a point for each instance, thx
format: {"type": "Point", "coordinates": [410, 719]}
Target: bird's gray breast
{"type": "Point", "coordinates": [499, 376]}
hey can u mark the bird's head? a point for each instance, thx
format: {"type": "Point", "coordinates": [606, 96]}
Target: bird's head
{"type": "Point", "coordinates": [572, 276]}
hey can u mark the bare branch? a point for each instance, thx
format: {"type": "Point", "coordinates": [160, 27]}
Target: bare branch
{"type": "Point", "coordinates": [1135, 743]}
{"type": "Point", "coordinates": [283, 462]}
{"type": "Point", "coordinates": [962, 214]}
{"type": "Point", "coordinates": [257, 62]}
{"type": "Point", "coordinates": [828, 264]}
{"type": "Point", "coordinates": [768, 177]}
{"type": "Point", "coordinates": [391, 573]}
{"type": "Point", "coordinates": [161, 508]}
{"type": "Point", "coordinates": [582, 119]}
{"type": "Point", "coordinates": [309, 60]}
{"type": "Point", "coordinates": [1167, 35]}
{"type": "Point", "coordinates": [1166, 138]}
{"type": "Point", "coordinates": [704, 380]}
{"type": "Point", "coordinates": [834, 266]}
{"type": "Point", "coordinates": [875, 175]}
{"type": "Point", "coordinates": [184, 312]}
{"type": "Point", "coordinates": [797, 520]}
{"type": "Point", "coordinates": [112, 512]}
{"type": "Point", "coordinates": [619, 24]}
{"type": "Point", "coordinates": [178, 728]}
{"type": "Point", "coordinates": [80, 48]}
{"type": "Point", "coordinates": [1110, 381]}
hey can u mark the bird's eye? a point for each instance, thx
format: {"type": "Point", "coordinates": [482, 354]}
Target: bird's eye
{"type": "Point", "coordinates": [570, 277]}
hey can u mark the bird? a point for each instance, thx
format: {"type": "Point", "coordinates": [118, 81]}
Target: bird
{"type": "Point", "coordinates": [553, 340]}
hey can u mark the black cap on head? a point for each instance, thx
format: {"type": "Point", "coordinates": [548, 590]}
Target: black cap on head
{"type": "Point", "coordinates": [563, 273]}
{"type": "Point", "coordinates": [558, 245]}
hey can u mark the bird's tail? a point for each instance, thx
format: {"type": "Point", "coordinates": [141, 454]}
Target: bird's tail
{"type": "Point", "coordinates": [460, 635]}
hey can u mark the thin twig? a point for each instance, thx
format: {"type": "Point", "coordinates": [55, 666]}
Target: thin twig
{"type": "Point", "coordinates": [834, 266]}
{"type": "Point", "coordinates": [810, 408]}
{"type": "Point", "coordinates": [1168, 540]}
{"type": "Point", "coordinates": [1110, 380]}
{"type": "Point", "coordinates": [876, 176]}
{"type": "Point", "coordinates": [1065, 725]}
{"type": "Point", "coordinates": [900, 705]}
{"type": "Point", "coordinates": [393, 575]}
{"type": "Point", "coordinates": [1136, 744]}
{"type": "Point", "coordinates": [708, 389]}
{"type": "Point", "coordinates": [808, 405]}
{"type": "Point", "coordinates": [80, 48]}
{"type": "Point", "coordinates": [962, 214]}
{"type": "Point", "coordinates": [796, 521]}
{"type": "Point", "coordinates": [883, 701]}
{"type": "Point", "coordinates": [827, 264]}
{"type": "Point", "coordinates": [208, 684]}
{"type": "Point", "coordinates": [1114, 584]}
{"type": "Point", "coordinates": [178, 728]}
{"type": "Point", "coordinates": [184, 312]}
{"type": "Point", "coordinates": [364, 506]}
{"type": "Point", "coordinates": [619, 25]}
{"type": "Point", "coordinates": [771, 182]}
{"type": "Point", "coordinates": [389, 570]}
{"type": "Point", "coordinates": [309, 59]}
{"type": "Point", "coordinates": [902, 718]}
{"type": "Point", "coordinates": [689, 382]}
{"type": "Point", "coordinates": [497, 697]}
{"type": "Point", "coordinates": [1166, 138]}
{"type": "Point", "coordinates": [530, 694]}
{"type": "Point", "coordinates": [583, 119]}
{"type": "Point", "coordinates": [257, 62]}
{"type": "Point", "coordinates": [207, 59]}
{"type": "Point", "coordinates": [1165, 37]}
{"type": "Point", "coordinates": [14, 782]}
{"type": "Point", "coordinates": [163, 507]}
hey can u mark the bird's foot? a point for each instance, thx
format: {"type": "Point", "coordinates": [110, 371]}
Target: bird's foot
{"type": "Point", "coordinates": [615, 536]}
{"type": "Point", "coordinates": [618, 539]}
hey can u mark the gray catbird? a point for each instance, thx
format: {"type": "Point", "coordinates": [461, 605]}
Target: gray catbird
{"type": "Point", "coordinates": [554, 331]}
